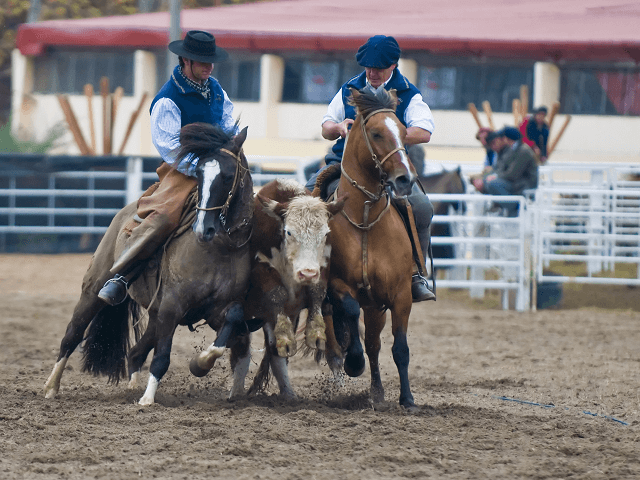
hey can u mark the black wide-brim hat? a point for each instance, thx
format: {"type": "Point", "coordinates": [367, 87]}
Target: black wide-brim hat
{"type": "Point", "coordinates": [199, 46]}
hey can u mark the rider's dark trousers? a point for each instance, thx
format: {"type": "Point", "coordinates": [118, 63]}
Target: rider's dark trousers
{"type": "Point", "coordinates": [422, 213]}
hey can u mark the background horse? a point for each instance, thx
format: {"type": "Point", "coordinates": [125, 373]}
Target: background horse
{"type": "Point", "coordinates": [371, 257]}
{"type": "Point", "coordinates": [202, 273]}
{"type": "Point", "coordinates": [447, 181]}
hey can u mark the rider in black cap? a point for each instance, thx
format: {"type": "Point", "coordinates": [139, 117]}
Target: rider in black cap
{"type": "Point", "coordinates": [379, 56]}
{"type": "Point", "coordinates": [191, 95]}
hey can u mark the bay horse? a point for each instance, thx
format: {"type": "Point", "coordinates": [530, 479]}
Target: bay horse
{"type": "Point", "coordinates": [371, 258]}
{"type": "Point", "coordinates": [202, 273]}
{"type": "Point", "coordinates": [446, 181]}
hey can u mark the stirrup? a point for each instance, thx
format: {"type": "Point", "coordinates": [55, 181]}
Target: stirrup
{"type": "Point", "coordinates": [114, 291]}
{"type": "Point", "coordinates": [420, 291]}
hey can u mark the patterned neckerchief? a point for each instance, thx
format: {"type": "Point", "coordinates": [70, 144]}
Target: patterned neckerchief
{"type": "Point", "coordinates": [204, 89]}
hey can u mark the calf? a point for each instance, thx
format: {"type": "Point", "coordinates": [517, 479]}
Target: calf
{"type": "Point", "coordinates": [290, 255]}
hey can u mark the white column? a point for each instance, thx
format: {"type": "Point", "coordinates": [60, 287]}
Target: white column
{"type": "Point", "coordinates": [21, 84]}
{"type": "Point", "coordinates": [271, 81]}
{"type": "Point", "coordinates": [409, 68]}
{"type": "Point", "coordinates": [546, 84]}
{"type": "Point", "coordinates": [144, 67]}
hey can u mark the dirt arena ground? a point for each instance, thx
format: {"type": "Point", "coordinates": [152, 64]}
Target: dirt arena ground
{"type": "Point", "coordinates": [551, 394]}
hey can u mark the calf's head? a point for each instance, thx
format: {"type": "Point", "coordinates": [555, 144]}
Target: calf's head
{"type": "Point", "coordinates": [305, 247]}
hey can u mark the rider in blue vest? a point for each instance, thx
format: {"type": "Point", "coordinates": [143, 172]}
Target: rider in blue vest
{"type": "Point", "coordinates": [379, 56]}
{"type": "Point", "coordinates": [190, 95]}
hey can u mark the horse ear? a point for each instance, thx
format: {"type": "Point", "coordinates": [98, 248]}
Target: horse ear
{"type": "Point", "coordinates": [355, 93]}
{"type": "Point", "coordinates": [239, 139]}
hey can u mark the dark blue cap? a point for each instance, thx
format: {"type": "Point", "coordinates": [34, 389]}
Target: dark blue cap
{"type": "Point", "coordinates": [379, 52]}
{"type": "Point", "coordinates": [512, 133]}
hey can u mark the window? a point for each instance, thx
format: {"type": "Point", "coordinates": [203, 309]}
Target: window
{"type": "Point", "coordinates": [239, 75]}
{"type": "Point", "coordinates": [307, 81]}
{"type": "Point", "coordinates": [600, 92]}
{"type": "Point", "coordinates": [453, 87]}
{"type": "Point", "coordinates": [64, 71]}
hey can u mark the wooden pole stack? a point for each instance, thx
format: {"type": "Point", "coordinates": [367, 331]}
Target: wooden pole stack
{"type": "Point", "coordinates": [110, 107]}
{"type": "Point", "coordinates": [520, 108]}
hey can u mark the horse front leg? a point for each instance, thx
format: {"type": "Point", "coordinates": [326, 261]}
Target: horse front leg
{"type": "Point", "coordinates": [240, 361]}
{"type": "Point", "coordinates": [374, 321]}
{"type": "Point", "coordinates": [233, 324]}
{"type": "Point", "coordinates": [400, 312]}
{"type": "Point", "coordinates": [86, 309]}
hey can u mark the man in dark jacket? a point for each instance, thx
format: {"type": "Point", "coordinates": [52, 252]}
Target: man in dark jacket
{"type": "Point", "coordinates": [515, 171]}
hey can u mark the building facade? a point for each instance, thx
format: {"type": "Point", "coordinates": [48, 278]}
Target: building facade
{"type": "Point", "coordinates": [281, 79]}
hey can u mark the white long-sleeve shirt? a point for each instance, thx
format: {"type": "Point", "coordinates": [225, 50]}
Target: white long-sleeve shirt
{"type": "Point", "coordinates": [165, 131]}
{"type": "Point", "coordinates": [417, 114]}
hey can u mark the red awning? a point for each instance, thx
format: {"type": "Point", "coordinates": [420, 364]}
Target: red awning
{"type": "Point", "coordinates": [603, 30]}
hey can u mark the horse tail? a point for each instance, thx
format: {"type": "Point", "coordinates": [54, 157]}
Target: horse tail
{"type": "Point", "coordinates": [108, 339]}
{"type": "Point", "coordinates": [262, 377]}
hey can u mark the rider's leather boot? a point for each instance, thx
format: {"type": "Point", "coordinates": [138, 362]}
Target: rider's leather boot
{"type": "Point", "coordinates": [114, 291]}
{"type": "Point", "coordinates": [420, 291]}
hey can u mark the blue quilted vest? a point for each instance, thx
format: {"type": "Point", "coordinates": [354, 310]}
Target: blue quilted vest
{"type": "Point", "coordinates": [404, 89]}
{"type": "Point", "coordinates": [192, 104]}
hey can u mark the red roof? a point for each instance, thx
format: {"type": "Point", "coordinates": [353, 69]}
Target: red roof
{"type": "Point", "coordinates": [606, 30]}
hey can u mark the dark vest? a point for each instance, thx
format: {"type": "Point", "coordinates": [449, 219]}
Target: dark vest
{"type": "Point", "coordinates": [192, 104]}
{"type": "Point", "coordinates": [404, 89]}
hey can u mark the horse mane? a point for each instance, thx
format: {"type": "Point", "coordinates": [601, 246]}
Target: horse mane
{"type": "Point", "coordinates": [367, 101]}
{"type": "Point", "coordinates": [202, 140]}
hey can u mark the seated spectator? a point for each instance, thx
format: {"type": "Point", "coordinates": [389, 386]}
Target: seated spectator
{"type": "Point", "coordinates": [493, 142]}
{"type": "Point", "coordinates": [516, 170]}
{"type": "Point", "coordinates": [491, 157]}
{"type": "Point", "coordinates": [538, 133]}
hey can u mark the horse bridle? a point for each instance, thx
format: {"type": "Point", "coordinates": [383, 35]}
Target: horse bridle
{"type": "Point", "coordinates": [238, 180]}
{"type": "Point", "coordinates": [382, 191]}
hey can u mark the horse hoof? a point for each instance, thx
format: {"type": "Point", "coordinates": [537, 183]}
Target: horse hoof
{"type": "Point", "coordinates": [50, 392]}
{"type": "Point", "coordinates": [411, 408]}
{"type": "Point", "coordinates": [145, 402]}
{"type": "Point", "coordinates": [354, 365]}
{"type": "Point", "coordinates": [195, 369]}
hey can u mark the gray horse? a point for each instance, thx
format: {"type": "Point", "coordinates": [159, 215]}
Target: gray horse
{"type": "Point", "coordinates": [202, 273]}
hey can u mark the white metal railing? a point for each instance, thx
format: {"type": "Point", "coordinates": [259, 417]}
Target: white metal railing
{"type": "Point", "coordinates": [489, 248]}
{"type": "Point", "coordinates": [600, 230]}
{"type": "Point", "coordinates": [594, 220]}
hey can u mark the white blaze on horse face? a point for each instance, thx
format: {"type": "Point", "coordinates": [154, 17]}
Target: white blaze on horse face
{"type": "Point", "coordinates": [395, 131]}
{"type": "Point", "coordinates": [210, 172]}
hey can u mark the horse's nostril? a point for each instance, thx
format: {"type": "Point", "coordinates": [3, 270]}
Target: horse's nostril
{"type": "Point", "coordinates": [209, 233]}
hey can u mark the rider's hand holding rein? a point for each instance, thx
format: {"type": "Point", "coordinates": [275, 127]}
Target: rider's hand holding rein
{"type": "Point", "coordinates": [332, 130]}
